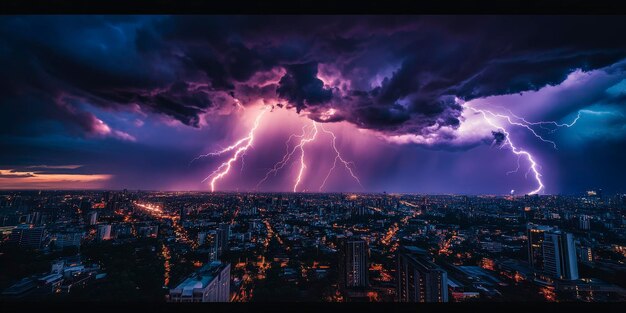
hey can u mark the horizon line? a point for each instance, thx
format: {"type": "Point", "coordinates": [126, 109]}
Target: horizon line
{"type": "Point", "coordinates": [290, 192]}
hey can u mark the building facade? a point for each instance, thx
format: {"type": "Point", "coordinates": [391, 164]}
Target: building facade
{"type": "Point", "coordinates": [211, 283]}
{"type": "Point", "coordinates": [104, 232]}
{"type": "Point", "coordinates": [535, 234]}
{"type": "Point", "coordinates": [559, 253]}
{"type": "Point", "coordinates": [27, 236]}
{"type": "Point", "coordinates": [353, 263]}
{"type": "Point", "coordinates": [419, 279]}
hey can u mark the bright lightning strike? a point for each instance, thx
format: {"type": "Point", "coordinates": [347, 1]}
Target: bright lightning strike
{"type": "Point", "coordinates": [280, 164]}
{"type": "Point", "coordinates": [563, 125]}
{"type": "Point", "coordinates": [514, 149]}
{"type": "Point", "coordinates": [224, 150]}
{"type": "Point", "coordinates": [338, 157]}
{"type": "Point", "coordinates": [508, 118]}
{"type": "Point", "coordinates": [241, 147]}
{"type": "Point", "coordinates": [303, 166]}
{"type": "Point", "coordinates": [306, 138]}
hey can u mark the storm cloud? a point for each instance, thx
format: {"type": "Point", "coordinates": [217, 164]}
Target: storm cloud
{"type": "Point", "coordinates": [397, 75]}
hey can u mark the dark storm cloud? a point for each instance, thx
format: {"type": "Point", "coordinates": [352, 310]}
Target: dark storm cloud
{"type": "Point", "coordinates": [301, 87]}
{"type": "Point", "coordinates": [394, 74]}
{"type": "Point", "coordinates": [498, 138]}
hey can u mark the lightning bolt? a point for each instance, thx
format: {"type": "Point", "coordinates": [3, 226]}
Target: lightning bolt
{"type": "Point", "coordinates": [303, 166]}
{"type": "Point", "coordinates": [240, 147]}
{"type": "Point", "coordinates": [224, 150]}
{"type": "Point", "coordinates": [304, 139]}
{"type": "Point", "coordinates": [508, 118]}
{"type": "Point", "coordinates": [522, 122]}
{"type": "Point", "coordinates": [563, 125]}
{"type": "Point", "coordinates": [517, 168]}
{"type": "Point", "coordinates": [507, 141]}
{"type": "Point", "coordinates": [280, 164]}
{"type": "Point", "coordinates": [338, 157]}
{"type": "Point", "coordinates": [558, 125]}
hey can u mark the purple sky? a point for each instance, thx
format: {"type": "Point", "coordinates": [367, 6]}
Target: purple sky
{"type": "Point", "coordinates": [128, 102]}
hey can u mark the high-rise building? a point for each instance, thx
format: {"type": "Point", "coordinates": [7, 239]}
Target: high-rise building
{"type": "Point", "coordinates": [68, 239]}
{"type": "Point", "coordinates": [210, 241]}
{"type": "Point", "coordinates": [211, 283]}
{"type": "Point", "coordinates": [106, 196]}
{"type": "Point", "coordinates": [559, 252]}
{"type": "Point", "coordinates": [93, 218]}
{"type": "Point", "coordinates": [419, 279]}
{"type": "Point", "coordinates": [221, 239]}
{"type": "Point", "coordinates": [37, 218]}
{"type": "Point", "coordinates": [27, 236]}
{"type": "Point", "coordinates": [353, 263]}
{"type": "Point", "coordinates": [585, 254]}
{"type": "Point", "coordinates": [535, 245]}
{"type": "Point", "coordinates": [584, 222]}
{"type": "Point", "coordinates": [104, 232]}
{"type": "Point", "coordinates": [201, 237]}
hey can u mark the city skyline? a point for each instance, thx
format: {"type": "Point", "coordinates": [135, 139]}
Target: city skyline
{"type": "Point", "coordinates": [115, 246]}
{"type": "Point", "coordinates": [404, 104]}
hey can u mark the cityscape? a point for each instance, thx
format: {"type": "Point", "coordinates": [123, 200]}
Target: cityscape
{"type": "Point", "coordinates": [336, 247]}
{"type": "Point", "coordinates": [319, 158]}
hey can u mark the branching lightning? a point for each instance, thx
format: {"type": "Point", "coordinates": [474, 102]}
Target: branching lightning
{"type": "Point", "coordinates": [516, 120]}
{"type": "Point", "coordinates": [507, 141]}
{"type": "Point", "coordinates": [303, 166]}
{"type": "Point", "coordinates": [310, 134]}
{"type": "Point", "coordinates": [280, 164]}
{"type": "Point", "coordinates": [241, 147]}
{"type": "Point", "coordinates": [224, 150]}
{"type": "Point", "coordinates": [522, 122]}
{"type": "Point", "coordinates": [305, 138]}
{"type": "Point", "coordinates": [563, 125]}
{"type": "Point", "coordinates": [510, 121]}
{"type": "Point", "coordinates": [338, 157]}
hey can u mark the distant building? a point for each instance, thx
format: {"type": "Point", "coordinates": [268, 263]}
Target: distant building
{"type": "Point", "coordinates": [93, 218]}
{"type": "Point", "coordinates": [584, 222]}
{"type": "Point", "coordinates": [353, 263]}
{"type": "Point", "coordinates": [201, 237]}
{"type": "Point", "coordinates": [68, 239]}
{"type": "Point", "coordinates": [106, 196]}
{"type": "Point", "coordinates": [211, 283]}
{"type": "Point", "coordinates": [37, 218]}
{"type": "Point", "coordinates": [585, 254]}
{"type": "Point", "coordinates": [182, 214]}
{"type": "Point", "coordinates": [221, 239]}
{"type": "Point", "coordinates": [361, 211]}
{"type": "Point", "coordinates": [419, 279]}
{"type": "Point", "coordinates": [148, 231]}
{"type": "Point", "coordinates": [560, 255]}
{"type": "Point", "coordinates": [27, 236]}
{"type": "Point", "coordinates": [121, 230]}
{"type": "Point", "coordinates": [104, 232]}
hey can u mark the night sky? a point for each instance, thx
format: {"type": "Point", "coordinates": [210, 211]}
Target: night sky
{"type": "Point", "coordinates": [420, 104]}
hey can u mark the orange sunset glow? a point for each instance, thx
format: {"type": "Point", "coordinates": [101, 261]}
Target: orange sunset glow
{"type": "Point", "coordinates": [13, 179]}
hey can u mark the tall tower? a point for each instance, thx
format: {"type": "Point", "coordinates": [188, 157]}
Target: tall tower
{"type": "Point", "coordinates": [353, 266]}
{"type": "Point", "coordinates": [535, 235]}
{"type": "Point", "coordinates": [419, 279]}
{"type": "Point", "coordinates": [560, 255]}
{"type": "Point", "coordinates": [221, 239]}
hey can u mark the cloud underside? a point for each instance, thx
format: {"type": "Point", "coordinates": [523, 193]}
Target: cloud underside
{"type": "Point", "coordinates": [397, 76]}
